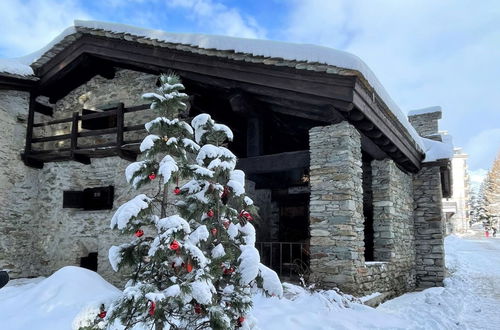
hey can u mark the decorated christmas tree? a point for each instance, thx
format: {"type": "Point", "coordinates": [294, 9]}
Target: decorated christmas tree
{"type": "Point", "coordinates": [192, 260]}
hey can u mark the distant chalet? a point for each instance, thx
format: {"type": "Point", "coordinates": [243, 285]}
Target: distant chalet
{"type": "Point", "coordinates": [349, 191]}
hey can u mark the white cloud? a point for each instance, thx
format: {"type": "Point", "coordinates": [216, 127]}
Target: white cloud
{"type": "Point", "coordinates": [215, 17]}
{"type": "Point", "coordinates": [483, 147]}
{"type": "Point", "coordinates": [26, 26]}
{"type": "Point", "coordinates": [425, 52]}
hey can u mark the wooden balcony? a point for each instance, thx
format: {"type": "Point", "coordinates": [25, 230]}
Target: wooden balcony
{"type": "Point", "coordinates": [69, 146]}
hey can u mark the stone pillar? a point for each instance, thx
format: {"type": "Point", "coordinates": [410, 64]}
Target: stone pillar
{"type": "Point", "coordinates": [429, 229]}
{"type": "Point", "coordinates": [336, 207]}
{"type": "Point", "coordinates": [428, 216]}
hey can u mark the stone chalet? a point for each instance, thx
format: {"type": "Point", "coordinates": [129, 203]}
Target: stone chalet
{"type": "Point", "coordinates": [349, 192]}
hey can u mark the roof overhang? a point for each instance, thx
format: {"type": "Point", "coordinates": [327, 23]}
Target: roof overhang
{"type": "Point", "coordinates": [319, 95]}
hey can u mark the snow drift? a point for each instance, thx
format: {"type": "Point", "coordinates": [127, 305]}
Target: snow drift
{"type": "Point", "coordinates": [53, 303]}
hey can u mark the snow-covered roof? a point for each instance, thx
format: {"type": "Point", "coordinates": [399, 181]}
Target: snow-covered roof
{"type": "Point", "coordinates": [300, 56]}
{"type": "Point", "coordinates": [421, 111]}
{"type": "Point", "coordinates": [435, 150]}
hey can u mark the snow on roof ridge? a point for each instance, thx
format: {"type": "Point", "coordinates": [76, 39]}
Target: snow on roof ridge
{"type": "Point", "coordinates": [257, 47]}
{"type": "Point", "coordinates": [21, 65]}
{"type": "Point", "coordinates": [276, 49]}
{"type": "Point", "coordinates": [421, 111]}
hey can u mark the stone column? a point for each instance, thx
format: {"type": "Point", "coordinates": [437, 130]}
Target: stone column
{"type": "Point", "coordinates": [336, 207]}
{"type": "Point", "coordinates": [429, 229]}
{"type": "Point", "coordinates": [428, 215]}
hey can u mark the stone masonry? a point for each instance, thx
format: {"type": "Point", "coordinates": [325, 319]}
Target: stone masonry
{"type": "Point", "coordinates": [337, 222]}
{"type": "Point", "coordinates": [336, 206]}
{"type": "Point", "coordinates": [429, 231]}
{"type": "Point", "coordinates": [18, 225]}
{"type": "Point", "coordinates": [426, 124]}
{"type": "Point", "coordinates": [428, 214]}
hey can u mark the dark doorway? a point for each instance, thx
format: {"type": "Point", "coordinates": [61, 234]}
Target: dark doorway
{"type": "Point", "coordinates": [89, 262]}
{"type": "Point", "coordinates": [294, 218]}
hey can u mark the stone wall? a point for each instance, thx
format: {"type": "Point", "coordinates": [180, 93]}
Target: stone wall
{"type": "Point", "coordinates": [38, 235]}
{"type": "Point", "coordinates": [68, 234]}
{"type": "Point", "coordinates": [19, 189]}
{"type": "Point", "coordinates": [393, 271]}
{"type": "Point", "coordinates": [336, 217]}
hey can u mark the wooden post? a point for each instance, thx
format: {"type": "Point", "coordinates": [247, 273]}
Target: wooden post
{"type": "Point", "coordinates": [120, 128]}
{"type": "Point", "coordinates": [31, 120]}
{"type": "Point", "coordinates": [26, 156]}
{"type": "Point", "coordinates": [254, 136]}
{"type": "Point", "coordinates": [120, 122]}
{"type": "Point", "coordinates": [74, 141]}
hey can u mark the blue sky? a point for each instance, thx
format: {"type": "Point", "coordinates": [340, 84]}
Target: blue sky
{"type": "Point", "coordinates": [425, 52]}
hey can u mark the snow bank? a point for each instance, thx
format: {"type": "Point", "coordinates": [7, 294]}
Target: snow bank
{"type": "Point", "coordinates": [53, 303]}
{"type": "Point", "coordinates": [469, 300]}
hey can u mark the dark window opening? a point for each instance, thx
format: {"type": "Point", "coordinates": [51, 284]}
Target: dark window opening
{"type": "Point", "coordinates": [368, 208]}
{"type": "Point", "coordinates": [89, 262]}
{"type": "Point", "coordinates": [100, 198]}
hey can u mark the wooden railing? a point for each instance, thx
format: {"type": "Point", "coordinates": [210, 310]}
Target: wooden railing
{"type": "Point", "coordinates": [36, 157]}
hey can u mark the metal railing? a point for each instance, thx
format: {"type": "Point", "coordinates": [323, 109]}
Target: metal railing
{"type": "Point", "coordinates": [288, 259]}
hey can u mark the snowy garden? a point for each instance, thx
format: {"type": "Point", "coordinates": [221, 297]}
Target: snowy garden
{"type": "Point", "coordinates": [470, 299]}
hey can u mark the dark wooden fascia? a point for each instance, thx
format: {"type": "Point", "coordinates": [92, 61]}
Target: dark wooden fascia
{"type": "Point", "coordinates": [320, 84]}
{"type": "Point", "coordinates": [389, 125]}
{"type": "Point", "coordinates": [274, 163]}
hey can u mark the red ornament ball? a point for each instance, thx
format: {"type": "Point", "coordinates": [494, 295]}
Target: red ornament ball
{"type": "Point", "coordinates": [102, 314]}
{"type": "Point", "coordinates": [152, 176]}
{"type": "Point", "coordinates": [241, 319]}
{"type": "Point", "coordinates": [228, 271]}
{"type": "Point", "coordinates": [213, 231]}
{"type": "Point", "coordinates": [246, 215]}
{"type": "Point", "coordinates": [210, 213]}
{"type": "Point", "coordinates": [177, 190]}
{"type": "Point", "coordinates": [174, 245]}
{"type": "Point", "coordinates": [197, 308]}
{"type": "Point", "coordinates": [189, 267]}
{"type": "Point", "coordinates": [139, 233]}
{"type": "Point", "coordinates": [152, 308]}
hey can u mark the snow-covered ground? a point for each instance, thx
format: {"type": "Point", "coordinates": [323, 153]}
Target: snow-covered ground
{"type": "Point", "coordinates": [469, 300]}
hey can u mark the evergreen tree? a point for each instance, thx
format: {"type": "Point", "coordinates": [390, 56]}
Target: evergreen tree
{"type": "Point", "coordinates": [481, 211]}
{"type": "Point", "coordinates": [473, 207]}
{"type": "Point", "coordinates": [492, 192]}
{"type": "Point", "coordinates": [196, 268]}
